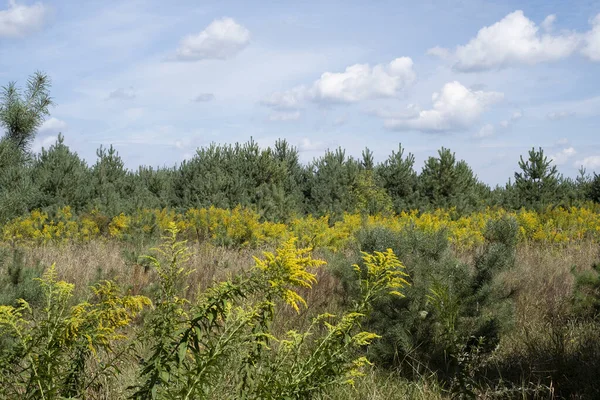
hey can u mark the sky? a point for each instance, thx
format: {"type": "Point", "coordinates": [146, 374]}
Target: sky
{"type": "Point", "coordinates": [487, 79]}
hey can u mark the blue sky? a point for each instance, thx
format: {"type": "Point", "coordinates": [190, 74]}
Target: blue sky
{"type": "Point", "coordinates": [157, 79]}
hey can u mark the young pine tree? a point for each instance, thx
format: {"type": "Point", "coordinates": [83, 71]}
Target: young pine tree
{"type": "Point", "coordinates": [21, 114]}
{"type": "Point", "coordinates": [538, 181]}
{"type": "Point", "coordinates": [399, 179]}
{"type": "Point", "coordinates": [61, 177]}
{"type": "Point", "coordinates": [444, 182]}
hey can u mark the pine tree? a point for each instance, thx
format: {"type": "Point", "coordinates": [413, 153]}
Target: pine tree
{"type": "Point", "coordinates": [21, 114]}
{"type": "Point", "coordinates": [445, 183]}
{"type": "Point", "coordinates": [17, 191]}
{"type": "Point", "coordinates": [333, 177]}
{"type": "Point", "coordinates": [109, 178]}
{"type": "Point", "coordinates": [399, 179]}
{"type": "Point", "coordinates": [62, 178]}
{"type": "Point", "coordinates": [538, 182]}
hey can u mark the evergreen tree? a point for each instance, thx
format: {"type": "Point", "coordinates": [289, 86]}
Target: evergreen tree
{"type": "Point", "coordinates": [399, 179]}
{"type": "Point", "coordinates": [21, 114]}
{"type": "Point", "coordinates": [333, 177]}
{"type": "Point", "coordinates": [17, 191]}
{"type": "Point", "coordinates": [445, 183]}
{"type": "Point", "coordinates": [367, 162]}
{"type": "Point", "coordinates": [594, 189]}
{"type": "Point", "coordinates": [109, 179]}
{"type": "Point", "coordinates": [538, 182]}
{"type": "Point", "coordinates": [62, 178]}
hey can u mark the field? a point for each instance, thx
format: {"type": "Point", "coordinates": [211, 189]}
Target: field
{"type": "Point", "coordinates": [495, 304]}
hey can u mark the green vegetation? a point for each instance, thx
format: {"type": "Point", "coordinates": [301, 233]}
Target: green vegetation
{"type": "Point", "coordinates": [244, 274]}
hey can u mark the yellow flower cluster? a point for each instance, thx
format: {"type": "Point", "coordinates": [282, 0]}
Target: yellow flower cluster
{"type": "Point", "coordinates": [242, 227]}
{"type": "Point", "coordinates": [42, 228]}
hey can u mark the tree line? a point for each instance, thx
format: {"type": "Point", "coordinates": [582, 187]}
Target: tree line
{"type": "Point", "coordinates": [270, 180]}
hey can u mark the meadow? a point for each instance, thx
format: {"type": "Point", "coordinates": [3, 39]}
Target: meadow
{"type": "Point", "coordinates": [243, 273]}
{"type": "Point", "coordinates": [491, 304]}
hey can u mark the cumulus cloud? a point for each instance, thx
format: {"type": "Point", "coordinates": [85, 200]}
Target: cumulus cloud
{"type": "Point", "coordinates": [43, 142]}
{"type": "Point", "coordinates": [563, 156]}
{"type": "Point", "coordinates": [204, 97]}
{"type": "Point", "coordinates": [486, 131]}
{"type": "Point", "coordinates": [308, 145]}
{"type": "Point", "coordinates": [222, 39]}
{"type": "Point", "coordinates": [591, 162]}
{"type": "Point", "coordinates": [122, 94]}
{"type": "Point", "coordinates": [440, 52]}
{"type": "Point", "coordinates": [19, 20]}
{"type": "Point", "coordinates": [513, 40]}
{"type": "Point", "coordinates": [287, 100]}
{"type": "Point", "coordinates": [591, 47]}
{"type": "Point", "coordinates": [284, 116]}
{"type": "Point", "coordinates": [358, 82]}
{"type": "Point", "coordinates": [558, 115]}
{"type": "Point", "coordinates": [548, 23]}
{"type": "Point", "coordinates": [507, 123]}
{"type": "Point", "coordinates": [53, 125]}
{"type": "Point", "coordinates": [454, 108]}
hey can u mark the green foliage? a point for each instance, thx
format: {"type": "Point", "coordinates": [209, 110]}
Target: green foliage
{"type": "Point", "coordinates": [17, 278]}
{"type": "Point", "coordinates": [18, 193]}
{"type": "Point", "coordinates": [587, 293]}
{"type": "Point", "coordinates": [538, 182]}
{"type": "Point", "coordinates": [399, 179]}
{"type": "Point", "coordinates": [593, 193]}
{"type": "Point", "coordinates": [243, 174]}
{"type": "Point", "coordinates": [193, 345]}
{"type": "Point", "coordinates": [371, 198]}
{"type": "Point", "coordinates": [109, 178]}
{"type": "Point", "coordinates": [445, 183]}
{"type": "Point", "coordinates": [62, 178]}
{"type": "Point", "coordinates": [330, 188]}
{"type": "Point", "coordinates": [21, 114]}
{"type": "Point", "coordinates": [47, 354]}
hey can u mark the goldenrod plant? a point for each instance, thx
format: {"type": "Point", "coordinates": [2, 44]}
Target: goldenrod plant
{"type": "Point", "coordinates": [194, 345]}
{"type": "Point", "coordinates": [48, 353]}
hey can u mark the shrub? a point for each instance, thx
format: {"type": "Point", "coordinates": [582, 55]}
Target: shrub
{"type": "Point", "coordinates": [48, 354]}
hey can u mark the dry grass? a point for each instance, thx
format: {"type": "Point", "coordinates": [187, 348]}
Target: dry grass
{"type": "Point", "coordinates": [540, 285]}
{"type": "Point", "coordinates": [542, 280]}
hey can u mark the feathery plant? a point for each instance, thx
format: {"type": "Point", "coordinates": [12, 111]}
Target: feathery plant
{"type": "Point", "coordinates": [47, 354]}
{"type": "Point", "coordinates": [21, 114]}
{"type": "Point", "coordinates": [222, 345]}
{"type": "Point", "coordinates": [305, 364]}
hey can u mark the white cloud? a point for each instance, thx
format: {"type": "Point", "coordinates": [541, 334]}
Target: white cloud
{"type": "Point", "coordinates": [287, 100]}
{"type": "Point", "coordinates": [592, 162]}
{"type": "Point", "coordinates": [284, 116]}
{"type": "Point", "coordinates": [513, 40]}
{"type": "Point", "coordinates": [19, 20]}
{"type": "Point", "coordinates": [360, 81]}
{"type": "Point", "coordinates": [222, 39]}
{"type": "Point", "coordinates": [45, 143]}
{"type": "Point", "coordinates": [486, 131]}
{"type": "Point", "coordinates": [548, 23]}
{"type": "Point", "coordinates": [440, 52]}
{"type": "Point", "coordinates": [455, 108]}
{"type": "Point", "coordinates": [507, 123]}
{"type": "Point", "coordinates": [122, 94]}
{"type": "Point", "coordinates": [53, 125]}
{"type": "Point", "coordinates": [357, 83]}
{"type": "Point", "coordinates": [204, 97]}
{"type": "Point", "coordinates": [591, 47]}
{"type": "Point", "coordinates": [563, 156]}
{"type": "Point", "coordinates": [558, 115]}
{"type": "Point", "coordinates": [308, 145]}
